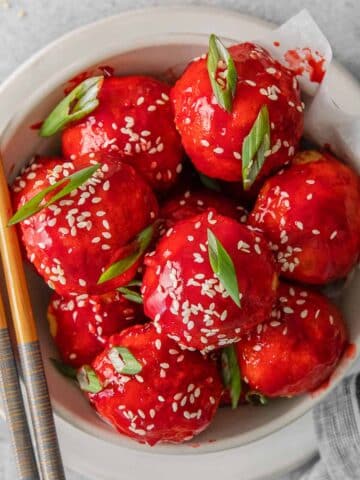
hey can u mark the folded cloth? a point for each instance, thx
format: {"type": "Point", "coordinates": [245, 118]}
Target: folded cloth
{"type": "Point", "coordinates": [337, 426]}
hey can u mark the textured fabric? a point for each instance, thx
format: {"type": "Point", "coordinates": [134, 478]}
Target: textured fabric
{"type": "Point", "coordinates": [28, 25]}
{"type": "Point", "coordinates": [337, 425]}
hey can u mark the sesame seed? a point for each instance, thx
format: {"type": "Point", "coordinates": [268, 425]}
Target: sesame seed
{"type": "Point", "coordinates": [333, 235]}
{"type": "Point", "coordinates": [299, 225]}
{"type": "Point", "coordinates": [288, 310]}
{"type": "Point", "coordinates": [257, 348]}
{"type": "Point", "coordinates": [274, 323]}
{"type": "Point", "coordinates": [204, 143]}
{"type": "Point", "coordinates": [315, 231]}
{"type": "Point", "coordinates": [309, 196]}
{"type": "Point", "coordinates": [304, 314]}
{"type": "Point", "coordinates": [218, 150]}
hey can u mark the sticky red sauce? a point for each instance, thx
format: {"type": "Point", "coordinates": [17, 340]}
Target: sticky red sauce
{"type": "Point", "coordinates": [305, 60]}
{"type": "Point", "coordinates": [74, 81]}
{"type": "Point", "coordinates": [276, 44]}
{"type": "Point", "coordinates": [36, 126]}
{"type": "Point", "coordinates": [169, 76]}
{"type": "Point", "coordinates": [195, 445]}
{"type": "Point", "coordinates": [350, 352]}
{"type": "Point", "coordinates": [106, 70]}
{"type": "Point", "coordinates": [348, 355]}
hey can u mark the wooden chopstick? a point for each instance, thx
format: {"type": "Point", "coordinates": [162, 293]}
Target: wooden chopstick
{"type": "Point", "coordinates": [13, 404]}
{"type": "Point", "coordinates": [27, 342]}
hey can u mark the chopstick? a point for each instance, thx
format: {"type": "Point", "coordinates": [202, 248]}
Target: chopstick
{"type": "Point", "coordinates": [27, 342]}
{"type": "Point", "coordinates": [13, 404]}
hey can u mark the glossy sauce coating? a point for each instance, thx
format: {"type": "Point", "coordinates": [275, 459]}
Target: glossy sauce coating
{"type": "Point", "coordinates": [133, 122]}
{"type": "Point", "coordinates": [72, 241]}
{"type": "Point", "coordinates": [297, 349]}
{"type": "Point", "coordinates": [81, 325]}
{"type": "Point", "coordinates": [190, 203]}
{"type": "Point", "coordinates": [183, 295]}
{"type": "Point", "coordinates": [310, 215]}
{"type": "Point", "coordinates": [213, 138]}
{"type": "Point", "coordinates": [173, 397]}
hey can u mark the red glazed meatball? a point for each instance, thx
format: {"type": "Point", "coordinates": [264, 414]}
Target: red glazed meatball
{"type": "Point", "coordinates": [310, 214]}
{"type": "Point", "coordinates": [191, 203]}
{"type": "Point", "coordinates": [297, 349]}
{"type": "Point", "coordinates": [81, 325]}
{"type": "Point", "coordinates": [134, 122]}
{"type": "Point", "coordinates": [186, 299]}
{"type": "Point", "coordinates": [213, 138]}
{"type": "Point", "coordinates": [72, 241]}
{"type": "Point", "coordinates": [172, 398]}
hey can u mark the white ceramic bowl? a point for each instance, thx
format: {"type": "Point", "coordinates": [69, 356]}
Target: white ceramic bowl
{"type": "Point", "coordinates": [148, 45]}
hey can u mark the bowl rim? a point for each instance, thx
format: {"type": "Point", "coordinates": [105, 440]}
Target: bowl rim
{"type": "Point", "coordinates": [59, 43]}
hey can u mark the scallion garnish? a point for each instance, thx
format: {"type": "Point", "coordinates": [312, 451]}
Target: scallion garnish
{"type": "Point", "coordinates": [131, 295]}
{"type": "Point", "coordinates": [124, 361]}
{"type": "Point", "coordinates": [38, 202]}
{"type": "Point", "coordinates": [81, 101]}
{"type": "Point", "coordinates": [88, 380]}
{"type": "Point", "coordinates": [66, 370]}
{"type": "Point", "coordinates": [256, 398]}
{"type": "Point", "coordinates": [210, 183]}
{"type": "Point", "coordinates": [223, 266]}
{"type": "Point", "coordinates": [224, 93]}
{"type": "Point", "coordinates": [140, 245]}
{"type": "Point", "coordinates": [255, 145]}
{"type": "Point", "coordinates": [231, 373]}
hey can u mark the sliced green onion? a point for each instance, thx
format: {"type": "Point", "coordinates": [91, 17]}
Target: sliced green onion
{"type": "Point", "coordinates": [124, 361]}
{"type": "Point", "coordinates": [66, 370]}
{"type": "Point", "coordinates": [88, 380]}
{"type": "Point", "coordinates": [210, 183]}
{"type": "Point", "coordinates": [131, 295]}
{"type": "Point", "coordinates": [37, 203]}
{"type": "Point", "coordinates": [81, 101]}
{"type": "Point", "coordinates": [140, 244]}
{"type": "Point", "coordinates": [134, 283]}
{"type": "Point", "coordinates": [231, 373]}
{"type": "Point", "coordinates": [255, 145]}
{"type": "Point", "coordinates": [256, 398]}
{"type": "Point", "coordinates": [223, 266]}
{"type": "Point", "coordinates": [217, 51]}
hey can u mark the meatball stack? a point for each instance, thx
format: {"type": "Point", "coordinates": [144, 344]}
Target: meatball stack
{"type": "Point", "coordinates": [158, 272]}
